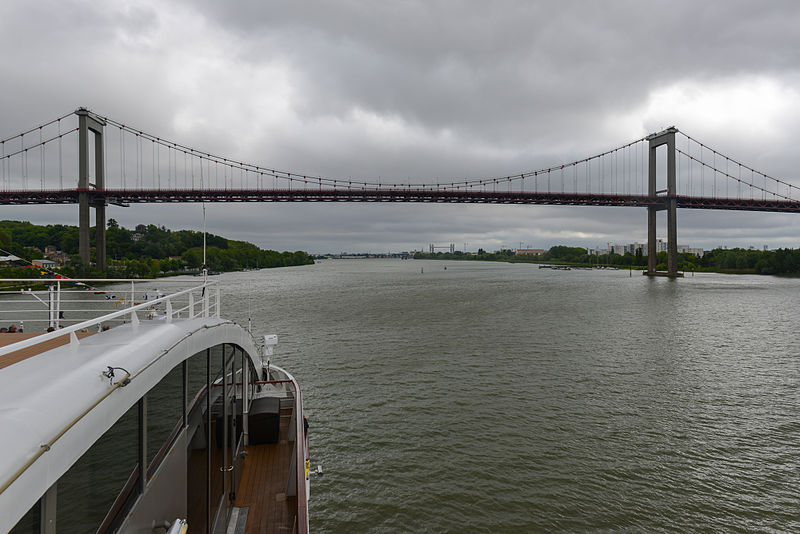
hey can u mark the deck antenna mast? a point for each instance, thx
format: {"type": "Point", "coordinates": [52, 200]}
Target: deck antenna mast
{"type": "Point", "coordinates": [205, 269]}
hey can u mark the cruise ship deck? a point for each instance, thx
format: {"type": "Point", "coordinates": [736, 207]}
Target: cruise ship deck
{"type": "Point", "coordinates": [167, 391]}
{"type": "Point", "coordinates": [262, 488]}
{"type": "Point", "coordinates": [28, 352]}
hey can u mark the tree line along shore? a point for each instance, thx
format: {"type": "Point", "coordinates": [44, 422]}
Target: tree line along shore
{"type": "Point", "coordinates": [782, 261]}
{"type": "Point", "coordinates": [146, 251]}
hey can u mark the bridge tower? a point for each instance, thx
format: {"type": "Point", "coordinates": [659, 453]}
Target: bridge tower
{"type": "Point", "coordinates": [667, 137]}
{"type": "Point", "coordinates": [88, 122]}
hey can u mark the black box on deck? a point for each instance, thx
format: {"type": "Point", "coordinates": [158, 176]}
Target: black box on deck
{"type": "Point", "coordinates": [264, 420]}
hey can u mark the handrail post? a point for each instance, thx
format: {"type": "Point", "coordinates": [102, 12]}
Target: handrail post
{"type": "Point", "coordinates": [58, 305]}
{"type": "Point", "coordinates": [124, 313]}
{"type": "Point", "coordinates": [51, 306]}
{"type": "Point", "coordinates": [206, 301]}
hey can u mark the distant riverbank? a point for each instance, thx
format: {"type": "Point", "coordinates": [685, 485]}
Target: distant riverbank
{"type": "Point", "coordinates": [148, 251]}
{"type": "Point", "coordinates": [784, 262]}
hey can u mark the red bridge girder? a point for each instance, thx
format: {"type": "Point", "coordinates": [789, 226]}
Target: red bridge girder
{"type": "Point", "coordinates": [128, 196]}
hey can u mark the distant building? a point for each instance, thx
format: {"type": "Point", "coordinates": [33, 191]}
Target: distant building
{"type": "Point", "coordinates": [530, 251]}
{"type": "Point", "coordinates": [631, 248]}
{"type": "Point", "coordinates": [686, 249]}
{"type": "Point", "coordinates": [45, 264]}
{"type": "Point", "coordinates": [136, 236]}
{"type": "Point", "coordinates": [52, 253]}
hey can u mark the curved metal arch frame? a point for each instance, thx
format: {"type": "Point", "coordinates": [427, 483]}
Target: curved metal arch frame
{"type": "Point", "coordinates": [148, 351]}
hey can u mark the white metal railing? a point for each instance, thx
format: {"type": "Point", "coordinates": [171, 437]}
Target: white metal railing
{"type": "Point", "coordinates": [87, 306]}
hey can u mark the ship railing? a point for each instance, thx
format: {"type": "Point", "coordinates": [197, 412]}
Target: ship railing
{"type": "Point", "coordinates": [68, 306]}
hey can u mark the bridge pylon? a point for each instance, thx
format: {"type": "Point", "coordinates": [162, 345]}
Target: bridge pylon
{"type": "Point", "coordinates": [666, 137]}
{"type": "Point", "coordinates": [88, 122]}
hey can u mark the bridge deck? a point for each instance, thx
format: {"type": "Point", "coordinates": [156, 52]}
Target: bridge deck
{"type": "Point", "coordinates": [450, 196]}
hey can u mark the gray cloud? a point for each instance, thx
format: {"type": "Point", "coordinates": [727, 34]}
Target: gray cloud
{"type": "Point", "coordinates": [418, 91]}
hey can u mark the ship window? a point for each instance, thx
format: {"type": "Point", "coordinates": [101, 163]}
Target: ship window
{"type": "Point", "coordinates": [88, 490]}
{"type": "Point", "coordinates": [197, 379]}
{"type": "Point", "coordinates": [29, 524]}
{"type": "Point", "coordinates": [164, 416]}
{"type": "Point", "coordinates": [197, 437]}
{"type": "Point", "coordinates": [219, 356]}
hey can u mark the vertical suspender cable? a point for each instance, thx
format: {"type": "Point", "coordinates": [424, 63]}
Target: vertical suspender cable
{"type": "Point", "coordinates": [169, 168]}
{"type": "Point", "coordinates": [689, 163]}
{"type": "Point", "coordinates": [739, 188]}
{"type": "Point", "coordinates": [140, 155]}
{"type": "Point", "coordinates": [138, 180]}
{"type": "Point", "coordinates": [22, 159]}
{"type": "Point", "coordinates": [41, 158]}
{"type": "Point", "coordinates": [702, 173]}
{"type": "Point", "coordinates": [714, 167]}
{"type": "Point", "coordinates": [727, 181]}
{"type": "Point", "coordinates": [122, 151]}
{"type": "Point", "coordinates": [614, 171]}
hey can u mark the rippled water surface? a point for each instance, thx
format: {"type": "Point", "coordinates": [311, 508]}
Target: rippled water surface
{"type": "Point", "coordinates": [490, 397]}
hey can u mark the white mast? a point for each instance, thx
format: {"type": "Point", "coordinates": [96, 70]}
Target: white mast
{"type": "Point", "coordinates": [205, 269]}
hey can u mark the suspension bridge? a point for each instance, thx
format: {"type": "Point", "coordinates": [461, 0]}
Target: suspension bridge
{"type": "Point", "coordinates": [52, 163]}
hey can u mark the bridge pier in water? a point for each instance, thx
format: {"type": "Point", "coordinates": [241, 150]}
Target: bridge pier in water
{"type": "Point", "coordinates": [87, 123]}
{"type": "Point", "coordinates": [667, 137]}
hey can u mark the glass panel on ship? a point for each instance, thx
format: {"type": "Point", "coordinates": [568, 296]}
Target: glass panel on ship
{"type": "Point", "coordinates": [194, 446]}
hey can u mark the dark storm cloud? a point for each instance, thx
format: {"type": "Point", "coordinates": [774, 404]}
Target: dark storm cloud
{"type": "Point", "coordinates": [418, 91]}
{"type": "Point", "coordinates": [489, 69]}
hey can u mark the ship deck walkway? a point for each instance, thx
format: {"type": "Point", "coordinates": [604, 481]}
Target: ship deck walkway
{"type": "Point", "coordinates": [262, 488]}
{"type": "Point", "coordinates": [23, 354]}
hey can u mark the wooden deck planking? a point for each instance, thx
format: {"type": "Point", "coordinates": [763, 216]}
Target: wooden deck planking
{"type": "Point", "coordinates": [265, 473]}
{"type": "Point", "coordinates": [23, 354]}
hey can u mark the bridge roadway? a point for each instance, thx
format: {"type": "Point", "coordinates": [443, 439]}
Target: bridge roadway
{"type": "Point", "coordinates": [155, 196]}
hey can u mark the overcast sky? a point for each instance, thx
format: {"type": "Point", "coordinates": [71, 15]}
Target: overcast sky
{"type": "Point", "coordinates": [418, 91]}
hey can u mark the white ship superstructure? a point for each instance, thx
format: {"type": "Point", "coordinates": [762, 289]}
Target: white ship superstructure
{"type": "Point", "coordinates": [143, 410]}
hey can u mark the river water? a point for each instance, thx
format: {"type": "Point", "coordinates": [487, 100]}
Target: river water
{"type": "Point", "coordinates": [490, 397]}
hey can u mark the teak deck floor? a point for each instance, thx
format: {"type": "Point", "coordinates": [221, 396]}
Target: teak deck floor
{"type": "Point", "coordinates": [23, 354]}
{"type": "Point", "coordinates": [262, 487]}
